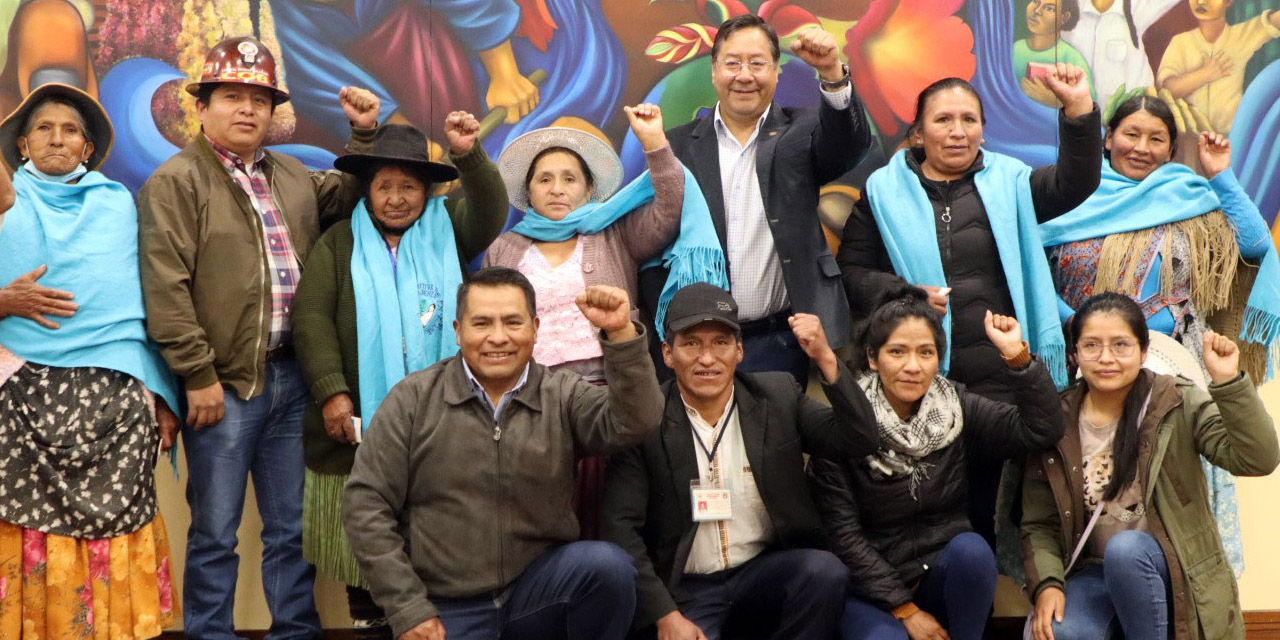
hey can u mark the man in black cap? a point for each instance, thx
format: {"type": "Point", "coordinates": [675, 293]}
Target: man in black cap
{"type": "Point", "coordinates": [714, 507]}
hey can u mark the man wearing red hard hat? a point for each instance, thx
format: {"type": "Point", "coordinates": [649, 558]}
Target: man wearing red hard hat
{"type": "Point", "coordinates": [225, 228]}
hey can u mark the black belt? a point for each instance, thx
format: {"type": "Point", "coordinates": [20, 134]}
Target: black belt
{"type": "Point", "coordinates": [280, 353]}
{"type": "Point", "coordinates": [768, 324]}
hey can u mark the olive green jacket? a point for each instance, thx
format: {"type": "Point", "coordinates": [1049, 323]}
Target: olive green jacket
{"type": "Point", "coordinates": [1228, 426]}
{"type": "Point", "coordinates": [205, 278]}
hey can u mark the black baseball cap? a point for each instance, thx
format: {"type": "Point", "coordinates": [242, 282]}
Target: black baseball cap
{"type": "Point", "coordinates": [697, 303]}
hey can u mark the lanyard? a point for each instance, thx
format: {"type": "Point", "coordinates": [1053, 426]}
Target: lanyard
{"type": "Point", "coordinates": [722, 425]}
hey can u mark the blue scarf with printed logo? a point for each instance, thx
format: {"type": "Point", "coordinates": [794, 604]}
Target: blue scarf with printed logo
{"type": "Point", "coordinates": [405, 310]}
{"type": "Point", "coordinates": [694, 256]}
{"type": "Point", "coordinates": [87, 234]}
{"type": "Point", "coordinates": [904, 217]}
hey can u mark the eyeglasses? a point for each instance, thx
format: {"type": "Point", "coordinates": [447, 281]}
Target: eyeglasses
{"type": "Point", "coordinates": [733, 67]}
{"type": "Point", "coordinates": [1092, 350]}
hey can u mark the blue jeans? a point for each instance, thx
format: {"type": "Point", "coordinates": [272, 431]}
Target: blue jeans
{"type": "Point", "coordinates": [795, 593]}
{"type": "Point", "coordinates": [582, 590]}
{"type": "Point", "coordinates": [263, 437]}
{"type": "Point", "coordinates": [774, 348]}
{"type": "Point", "coordinates": [957, 591]}
{"type": "Point", "coordinates": [1129, 590]}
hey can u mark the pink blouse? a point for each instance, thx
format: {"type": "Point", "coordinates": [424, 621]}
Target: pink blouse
{"type": "Point", "coordinates": [564, 335]}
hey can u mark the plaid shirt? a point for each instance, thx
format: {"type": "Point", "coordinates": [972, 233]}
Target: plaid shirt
{"type": "Point", "coordinates": [285, 270]}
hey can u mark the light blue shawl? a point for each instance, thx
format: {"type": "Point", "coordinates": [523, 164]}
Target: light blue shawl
{"type": "Point", "coordinates": [405, 311]}
{"type": "Point", "coordinates": [904, 217]}
{"type": "Point", "coordinates": [695, 256]}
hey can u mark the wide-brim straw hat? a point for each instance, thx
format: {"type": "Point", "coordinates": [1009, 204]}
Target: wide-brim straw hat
{"type": "Point", "coordinates": [601, 159]}
{"type": "Point", "coordinates": [1169, 357]}
{"type": "Point", "coordinates": [95, 118]}
{"type": "Point", "coordinates": [398, 144]}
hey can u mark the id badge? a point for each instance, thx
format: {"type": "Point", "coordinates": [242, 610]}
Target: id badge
{"type": "Point", "coordinates": [709, 504]}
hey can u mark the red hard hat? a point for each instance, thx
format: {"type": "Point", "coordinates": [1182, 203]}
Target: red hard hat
{"type": "Point", "coordinates": [241, 60]}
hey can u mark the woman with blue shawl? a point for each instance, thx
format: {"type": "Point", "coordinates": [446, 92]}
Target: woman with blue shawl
{"type": "Point", "coordinates": [581, 230]}
{"type": "Point", "coordinates": [1174, 242]}
{"type": "Point", "coordinates": [959, 221]}
{"type": "Point", "coordinates": [376, 302]}
{"type": "Point", "coordinates": [85, 401]}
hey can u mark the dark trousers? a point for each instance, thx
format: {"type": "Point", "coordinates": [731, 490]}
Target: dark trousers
{"type": "Point", "coordinates": [957, 590]}
{"type": "Point", "coordinates": [796, 594]}
{"type": "Point", "coordinates": [769, 345]}
{"type": "Point", "coordinates": [581, 591]}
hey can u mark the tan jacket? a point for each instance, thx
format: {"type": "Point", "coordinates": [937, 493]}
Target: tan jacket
{"type": "Point", "coordinates": [1228, 426]}
{"type": "Point", "coordinates": [204, 269]}
{"type": "Point", "coordinates": [445, 502]}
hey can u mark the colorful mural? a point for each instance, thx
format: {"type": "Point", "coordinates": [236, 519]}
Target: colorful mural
{"type": "Point", "coordinates": [533, 63]}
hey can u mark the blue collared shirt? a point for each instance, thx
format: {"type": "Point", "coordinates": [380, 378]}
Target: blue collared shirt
{"type": "Point", "coordinates": [506, 397]}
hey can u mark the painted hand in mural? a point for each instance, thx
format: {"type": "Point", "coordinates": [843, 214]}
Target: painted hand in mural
{"type": "Point", "coordinates": [507, 88]}
{"type": "Point", "coordinates": [818, 49]}
{"type": "Point", "coordinates": [361, 107]}
{"type": "Point", "coordinates": [608, 309]}
{"type": "Point", "coordinates": [1221, 358]}
{"type": "Point", "coordinates": [646, 123]}
{"type": "Point", "coordinates": [1217, 65]}
{"type": "Point", "coordinates": [1071, 87]}
{"type": "Point", "coordinates": [1215, 153]}
{"type": "Point", "coordinates": [1037, 90]}
{"type": "Point", "coordinates": [461, 128]}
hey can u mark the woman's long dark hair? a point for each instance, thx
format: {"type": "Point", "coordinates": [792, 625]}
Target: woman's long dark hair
{"type": "Point", "coordinates": [895, 306]}
{"type": "Point", "coordinates": [1124, 449]}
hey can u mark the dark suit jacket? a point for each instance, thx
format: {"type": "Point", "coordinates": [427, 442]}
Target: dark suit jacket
{"type": "Point", "coordinates": [797, 151]}
{"type": "Point", "coordinates": [646, 506]}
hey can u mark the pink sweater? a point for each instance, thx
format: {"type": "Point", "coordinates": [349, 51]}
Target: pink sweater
{"type": "Point", "coordinates": [612, 257]}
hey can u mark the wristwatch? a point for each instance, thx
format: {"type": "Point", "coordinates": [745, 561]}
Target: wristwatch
{"type": "Point", "coordinates": [837, 84]}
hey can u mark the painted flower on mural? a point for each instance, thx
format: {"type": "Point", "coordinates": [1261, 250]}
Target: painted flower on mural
{"type": "Point", "coordinates": [682, 43]}
{"type": "Point", "coordinates": [902, 46]}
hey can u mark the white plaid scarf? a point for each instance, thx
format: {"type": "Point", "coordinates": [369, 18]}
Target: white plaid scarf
{"type": "Point", "coordinates": [904, 444]}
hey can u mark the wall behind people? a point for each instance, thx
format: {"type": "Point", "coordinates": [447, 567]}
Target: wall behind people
{"type": "Point", "coordinates": [601, 54]}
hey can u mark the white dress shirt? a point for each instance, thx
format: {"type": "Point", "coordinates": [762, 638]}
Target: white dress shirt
{"type": "Point", "coordinates": [725, 544]}
{"type": "Point", "coordinates": [755, 273]}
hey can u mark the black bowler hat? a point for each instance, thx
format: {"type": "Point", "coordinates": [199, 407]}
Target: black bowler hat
{"type": "Point", "coordinates": [697, 303]}
{"type": "Point", "coordinates": [397, 144]}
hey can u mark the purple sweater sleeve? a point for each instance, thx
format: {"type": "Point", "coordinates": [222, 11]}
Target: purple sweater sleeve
{"type": "Point", "coordinates": [649, 229]}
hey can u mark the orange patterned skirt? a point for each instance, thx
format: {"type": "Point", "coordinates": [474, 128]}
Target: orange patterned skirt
{"type": "Point", "coordinates": [58, 588]}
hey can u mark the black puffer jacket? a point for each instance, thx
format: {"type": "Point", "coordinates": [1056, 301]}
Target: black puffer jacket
{"type": "Point", "coordinates": [887, 538]}
{"type": "Point", "coordinates": [970, 259]}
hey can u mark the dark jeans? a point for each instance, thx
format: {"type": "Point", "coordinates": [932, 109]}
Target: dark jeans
{"type": "Point", "coordinates": [583, 590]}
{"type": "Point", "coordinates": [800, 592]}
{"type": "Point", "coordinates": [769, 345]}
{"type": "Point", "coordinates": [957, 590]}
{"type": "Point", "coordinates": [261, 437]}
{"type": "Point", "coordinates": [1129, 592]}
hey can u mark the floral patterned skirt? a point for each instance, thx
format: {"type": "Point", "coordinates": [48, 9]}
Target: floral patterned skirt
{"type": "Point", "coordinates": [54, 587]}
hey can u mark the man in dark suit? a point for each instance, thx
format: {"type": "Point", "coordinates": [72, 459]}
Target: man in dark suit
{"type": "Point", "coordinates": [714, 507]}
{"type": "Point", "coordinates": [760, 167]}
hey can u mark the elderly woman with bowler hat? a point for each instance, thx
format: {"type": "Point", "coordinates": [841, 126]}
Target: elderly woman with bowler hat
{"type": "Point", "coordinates": [377, 302]}
{"type": "Point", "coordinates": [85, 398]}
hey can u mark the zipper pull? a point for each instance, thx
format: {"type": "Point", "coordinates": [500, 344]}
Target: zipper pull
{"type": "Point", "coordinates": [497, 433]}
{"type": "Point", "coordinates": [946, 214]}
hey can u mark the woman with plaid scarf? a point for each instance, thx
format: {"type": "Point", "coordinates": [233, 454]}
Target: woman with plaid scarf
{"type": "Point", "coordinates": [898, 518]}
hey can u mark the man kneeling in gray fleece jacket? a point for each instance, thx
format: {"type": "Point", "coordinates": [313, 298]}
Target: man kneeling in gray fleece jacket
{"type": "Point", "coordinates": [458, 507]}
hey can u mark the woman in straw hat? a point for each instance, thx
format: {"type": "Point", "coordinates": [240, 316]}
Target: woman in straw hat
{"type": "Point", "coordinates": [84, 398]}
{"type": "Point", "coordinates": [377, 302]}
{"type": "Point", "coordinates": [581, 230]}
